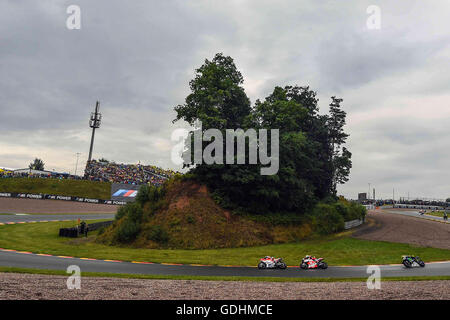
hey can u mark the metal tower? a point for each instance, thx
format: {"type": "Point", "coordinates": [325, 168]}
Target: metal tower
{"type": "Point", "coordinates": [94, 123]}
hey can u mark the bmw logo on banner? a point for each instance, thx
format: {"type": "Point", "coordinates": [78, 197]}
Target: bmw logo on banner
{"type": "Point", "coordinates": [124, 192]}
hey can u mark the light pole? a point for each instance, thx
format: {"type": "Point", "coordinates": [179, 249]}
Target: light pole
{"type": "Point", "coordinates": [76, 165]}
{"type": "Point", "coordinates": [94, 123]}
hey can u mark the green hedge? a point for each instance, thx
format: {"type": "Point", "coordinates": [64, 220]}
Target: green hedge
{"type": "Point", "coordinates": [331, 218]}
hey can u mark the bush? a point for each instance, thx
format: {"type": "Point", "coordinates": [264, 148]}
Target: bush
{"type": "Point", "coordinates": [327, 219]}
{"type": "Point", "coordinates": [150, 193]}
{"type": "Point", "coordinates": [190, 219]}
{"type": "Point", "coordinates": [121, 212]}
{"type": "Point", "coordinates": [158, 234]}
{"type": "Point", "coordinates": [143, 194]}
{"type": "Point", "coordinates": [277, 219]}
{"type": "Point", "coordinates": [127, 231]}
{"type": "Point", "coordinates": [343, 210]}
{"type": "Point", "coordinates": [132, 211]}
{"type": "Point", "coordinates": [330, 217]}
{"type": "Point", "coordinates": [101, 231]}
{"type": "Point", "coordinates": [360, 211]}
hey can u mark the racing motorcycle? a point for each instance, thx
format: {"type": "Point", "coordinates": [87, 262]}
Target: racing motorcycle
{"type": "Point", "coordinates": [271, 263]}
{"type": "Point", "coordinates": [411, 261]}
{"type": "Point", "coordinates": [309, 262]}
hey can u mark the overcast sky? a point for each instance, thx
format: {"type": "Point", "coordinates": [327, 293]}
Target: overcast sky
{"type": "Point", "coordinates": [137, 58]}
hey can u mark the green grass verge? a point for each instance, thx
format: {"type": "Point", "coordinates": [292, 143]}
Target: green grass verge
{"type": "Point", "coordinates": [338, 250]}
{"type": "Point", "coordinates": [56, 214]}
{"type": "Point", "coordinates": [436, 214]}
{"type": "Point", "coordinates": [63, 187]}
{"type": "Point", "coordinates": [216, 278]}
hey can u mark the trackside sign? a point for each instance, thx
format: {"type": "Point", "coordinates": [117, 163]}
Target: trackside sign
{"type": "Point", "coordinates": [56, 197]}
{"type": "Point", "coordinates": [124, 192]}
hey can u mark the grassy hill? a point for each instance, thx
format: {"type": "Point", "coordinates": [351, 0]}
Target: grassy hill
{"type": "Point", "coordinates": [185, 216]}
{"type": "Point", "coordinates": [76, 188]}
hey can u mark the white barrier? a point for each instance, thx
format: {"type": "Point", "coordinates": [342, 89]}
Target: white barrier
{"type": "Point", "coordinates": [353, 224]}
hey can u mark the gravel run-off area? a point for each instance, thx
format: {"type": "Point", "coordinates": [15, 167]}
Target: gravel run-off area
{"type": "Point", "coordinates": [35, 287]}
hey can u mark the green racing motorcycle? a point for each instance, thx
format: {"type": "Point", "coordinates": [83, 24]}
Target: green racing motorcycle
{"type": "Point", "coordinates": [411, 261]}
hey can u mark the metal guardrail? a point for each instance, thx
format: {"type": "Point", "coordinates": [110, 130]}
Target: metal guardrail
{"type": "Point", "coordinates": [353, 224]}
{"type": "Point", "coordinates": [414, 206]}
{"type": "Point", "coordinates": [98, 225]}
{"type": "Point", "coordinates": [76, 231]}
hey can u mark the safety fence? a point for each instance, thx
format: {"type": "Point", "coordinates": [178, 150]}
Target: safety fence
{"type": "Point", "coordinates": [76, 231]}
{"type": "Point", "coordinates": [56, 197]}
{"type": "Point", "coordinates": [353, 224]}
{"type": "Point", "coordinates": [412, 206]}
{"type": "Point", "coordinates": [98, 225]}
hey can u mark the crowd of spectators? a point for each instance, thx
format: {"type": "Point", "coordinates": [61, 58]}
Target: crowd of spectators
{"type": "Point", "coordinates": [126, 173]}
{"type": "Point", "coordinates": [33, 174]}
{"type": "Point", "coordinates": [102, 171]}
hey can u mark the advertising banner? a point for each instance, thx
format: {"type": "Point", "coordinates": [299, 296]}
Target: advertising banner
{"type": "Point", "coordinates": [124, 192]}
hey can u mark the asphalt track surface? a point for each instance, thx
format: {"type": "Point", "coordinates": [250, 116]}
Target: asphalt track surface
{"type": "Point", "coordinates": [414, 213]}
{"type": "Point", "coordinates": [52, 217]}
{"type": "Point", "coordinates": [11, 258]}
{"type": "Point", "coordinates": [35, 206]}
{"type": "Point", "coordinates": [27, 260]}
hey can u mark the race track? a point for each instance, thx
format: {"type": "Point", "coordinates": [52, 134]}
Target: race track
{"type": "Point", "coordinates": [27, 260]}
{"type": "Point", "coordinates": [13, 205]}
{"type": "Point", "coordinates": [415, 213]}
{"type": "Point", "coordinates": [52, 217]}
{"type": "Point", "coordinates": [11, 258]}
{"type": "Point", "coordinates": [403, 227]}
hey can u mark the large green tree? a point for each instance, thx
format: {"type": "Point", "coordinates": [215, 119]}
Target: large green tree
{"type": "Point", "coordinates": [37, 164]}
{"type": "Point", "coordinates": [217, 97]}
{"type": "Point", "coordinates": [340, 157]}
{"type": "Point", "coordinates": [312, 156]}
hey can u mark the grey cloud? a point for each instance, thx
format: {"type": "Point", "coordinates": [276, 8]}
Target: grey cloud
{"type": "Point", "coordinates": [137, 59]}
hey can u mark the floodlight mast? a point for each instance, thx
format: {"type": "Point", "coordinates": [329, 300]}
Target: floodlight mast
{"type": "Point", "coordinates": [94, 123]}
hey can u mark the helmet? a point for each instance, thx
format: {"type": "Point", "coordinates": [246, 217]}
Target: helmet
{"type": "Point", "coordinates": [307, 257]}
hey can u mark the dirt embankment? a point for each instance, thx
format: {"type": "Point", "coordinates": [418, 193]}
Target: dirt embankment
{"type": "Point", "coordinates": [34, 287]}
{"type": "Point", "coordinates": [189, 218]}
{"type": "Point", "coordinates": [393, 227]}
{"type": "Point", "coordinates": [11, 205]}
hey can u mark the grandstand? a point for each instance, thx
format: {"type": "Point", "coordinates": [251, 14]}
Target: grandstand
{"type": "Point", "coordinates": [31, 173]}
{"type": "Point", "coordinates": [103, 171]}
{"type": "Point", "coordinates": [126, 173]}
